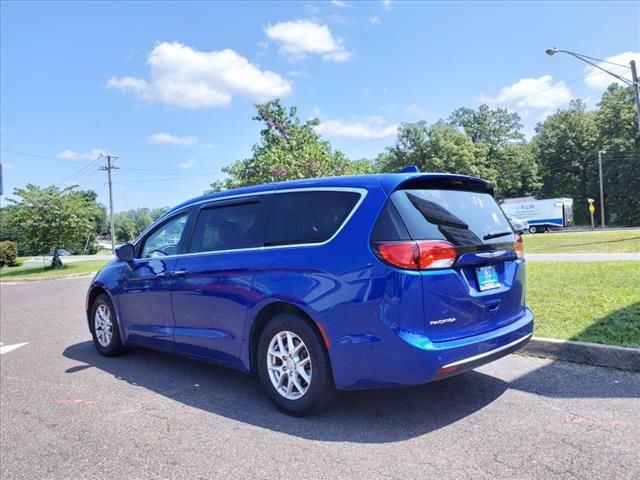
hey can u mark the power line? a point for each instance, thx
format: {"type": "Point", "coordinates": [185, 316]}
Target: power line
{"type": "Point", "coordinates": [79, 173]}
{"type": "Point", "coordinates": [34, 155]}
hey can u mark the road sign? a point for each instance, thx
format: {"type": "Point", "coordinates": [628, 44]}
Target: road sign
{"type": "Point", "coordinates": [592, 209]}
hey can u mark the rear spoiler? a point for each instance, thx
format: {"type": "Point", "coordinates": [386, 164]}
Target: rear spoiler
{"type": "Point", "coordinates": [442, 181]}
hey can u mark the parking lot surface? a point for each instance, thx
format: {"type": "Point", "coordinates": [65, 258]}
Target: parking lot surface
{"type": "Point", "coordinates": [67, 413]}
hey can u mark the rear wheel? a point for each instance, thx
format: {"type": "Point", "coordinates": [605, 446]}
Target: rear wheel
{"type": "Point", "coordinates": [293, 366]}
{"type": "Point", "coordinates": [104, 327]}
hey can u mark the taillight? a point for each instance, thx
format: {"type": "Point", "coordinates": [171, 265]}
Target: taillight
{"type": "Point", "coordinates": [419, 255]}
{"type": "Point", "coordinates": [436, 254]}
{"type": "Point", "coordinates": [518, 246]}
{"type": "Point", "coordinates": [399, 254]}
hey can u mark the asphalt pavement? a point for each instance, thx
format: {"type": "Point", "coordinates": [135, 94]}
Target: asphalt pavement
{"type": "Point", "coordinates": [67, 413]}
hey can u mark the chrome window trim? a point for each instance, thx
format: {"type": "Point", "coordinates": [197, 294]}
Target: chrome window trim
{"type": "Point", "coordinates": [362, 191]}
{"type": "Point", "coordinates": [489, 353]}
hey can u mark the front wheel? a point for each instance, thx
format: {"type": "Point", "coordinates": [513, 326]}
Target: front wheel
{"type": "Point", "coordinates": [294, 367]}
{"type": "Point", "coordinates": [533, 229]}
{"type": "Point", "coordinates": [104, 327]}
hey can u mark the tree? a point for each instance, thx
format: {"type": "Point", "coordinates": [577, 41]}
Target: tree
{"type": "Point", "coordinates": [617, 134]}
{"type": "Point", "coordinates": [125, 229]}
{"type": "Point", "coordinates": [288, 149]}
{"type": "Point", "coordinates": [49, 218]}
{"type": "Point", "coordinates": [100, 220]}
{"type": "Point", "coordinates": [518, 171]}
{"type": "Point", "coordinates": [437, 148]}
{"type": "Point", "coordinates": [131, 223]}
{"type": "Point", "coordinates": [566, 146]}
{"type": "Point", "coordinates": [495, 128]}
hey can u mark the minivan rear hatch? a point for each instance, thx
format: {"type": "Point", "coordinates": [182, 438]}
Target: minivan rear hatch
{"type": "Point", "coordinates": [457, 237]}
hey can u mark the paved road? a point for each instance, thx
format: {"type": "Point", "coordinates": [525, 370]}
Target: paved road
{"type": "Point", "coordinates": [68, 413]}
{"type": "Point", "coordinates": [581, 257]}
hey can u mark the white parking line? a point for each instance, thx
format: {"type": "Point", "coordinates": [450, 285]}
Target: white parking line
{"type": "Point", "coordinates": [7, 348]}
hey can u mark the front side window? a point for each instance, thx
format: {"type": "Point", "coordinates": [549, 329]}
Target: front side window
{"type": "Point", "coordinates": [308, 217]}
{"type": "Point", "coordinates": [229, 227]}
{"type": "Point", "coordinates": [165, 239]}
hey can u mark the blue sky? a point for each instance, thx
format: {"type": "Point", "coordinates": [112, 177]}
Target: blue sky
{"type": "Point", "coordinates": [169, 87]}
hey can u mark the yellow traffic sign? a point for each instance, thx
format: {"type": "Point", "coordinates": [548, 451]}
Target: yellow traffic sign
{"type": "Point", "coordinates": [592, 208]}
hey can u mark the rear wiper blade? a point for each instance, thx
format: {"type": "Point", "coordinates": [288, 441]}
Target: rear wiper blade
{"type": "Point", "coordinates": [496, 235]}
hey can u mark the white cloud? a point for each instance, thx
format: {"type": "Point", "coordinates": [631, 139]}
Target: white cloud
{"type": "Point", "coordinates": [599, 79]}
{"type": "Point", "coordinates": [90, 155]}
{"type": "Point", "coordinates": [416, 110]}
{"type": "Point", "coordinates": [339, 3]}
{"type": "Point", "coordinates": [183, 77]}
{"type": "Point", "coordinates": [372, 128]}
{"type": "Point", "coordinates": [387, 4]}
{"type": "Point", "coordinates": [168, 139]}
{"type": "Point", "coordinates": [539, 93]}
{"type": "Point", "coordinates": [186, 165]}
{"type": "Point", "coordinates": [298, 73]}
{"type": "Point", "coordinates": [297, 38]}
{"type": "Point", "coordinates": [338, 19]}
{"type": "Point", "coordinates": [375, 20]}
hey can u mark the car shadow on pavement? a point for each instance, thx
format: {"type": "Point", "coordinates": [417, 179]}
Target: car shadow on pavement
{"type": "Point", "coordinates": [371, 416]}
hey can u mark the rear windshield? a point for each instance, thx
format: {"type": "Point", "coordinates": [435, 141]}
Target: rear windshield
{"type": "Point", "coordinates": [460, 217]}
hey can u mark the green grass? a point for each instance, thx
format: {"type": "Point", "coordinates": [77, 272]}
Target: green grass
{"type": "Point", "coordinates": [621, 241]}
{"type": "Point", "coordinates": [588, 301]}
{"type": "Point", "coordinates": [10, 274]}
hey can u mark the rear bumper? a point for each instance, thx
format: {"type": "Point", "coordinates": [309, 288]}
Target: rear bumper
{"type": "Point", "coordinates": [405, 358]}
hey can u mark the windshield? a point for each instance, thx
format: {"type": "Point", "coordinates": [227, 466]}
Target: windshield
{"type": "Point", "coordinates": [460, 217]}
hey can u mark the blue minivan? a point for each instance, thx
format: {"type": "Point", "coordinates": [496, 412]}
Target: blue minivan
{"type": "Point", "coordinates": [325, 284]}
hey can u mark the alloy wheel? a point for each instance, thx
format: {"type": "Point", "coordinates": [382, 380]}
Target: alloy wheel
{"type": "Point", "coordinates": [103, 325]}
{"type": "Point", "coordinates": [289, 365]}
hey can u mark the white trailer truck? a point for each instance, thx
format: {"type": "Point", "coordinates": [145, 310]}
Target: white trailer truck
{"type": "Point", "coordinates": [542, 215]}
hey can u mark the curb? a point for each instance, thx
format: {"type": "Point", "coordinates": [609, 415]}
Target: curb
{"type": "Point", "coordinates": [622, 358]}
{"type": "Point", "coordinates": [38, 279]}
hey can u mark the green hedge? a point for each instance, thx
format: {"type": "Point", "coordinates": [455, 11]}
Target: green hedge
{"type": "Point", "coordinates": [8, 254]}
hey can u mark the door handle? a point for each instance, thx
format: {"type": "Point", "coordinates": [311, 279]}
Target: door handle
{"type": "Point", "coordinates": [180, 273]}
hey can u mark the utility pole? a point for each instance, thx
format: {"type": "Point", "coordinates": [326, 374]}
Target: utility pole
{"type": "Point", "coordinates": [636, 89]}
{"type": "Point", "coordinates": [108, 168]}
{"type": "Point", "coordinates": [600, 152]}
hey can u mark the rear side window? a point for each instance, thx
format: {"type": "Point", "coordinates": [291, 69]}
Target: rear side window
{"type": "Point", "coordinates": [308, 217]}
{"type": "Point", "coordinates": [460, 217]}
{"type": "Point", "coordinates": [228, 227]}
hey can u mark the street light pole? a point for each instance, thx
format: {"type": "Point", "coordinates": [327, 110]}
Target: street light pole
{"type": "Point", "coordinates": [634, 82]}
{"type": "Point", "coordinates": [636, 89]}
{"type": "Point", "coordinates": [600, 152]}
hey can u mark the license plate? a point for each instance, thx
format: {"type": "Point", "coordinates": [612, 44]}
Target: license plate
{"type": "Point", "coordinates": [487, 278]}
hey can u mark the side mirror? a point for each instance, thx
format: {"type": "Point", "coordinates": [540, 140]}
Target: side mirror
{"type": "Point", "coordinates": [126, 252]}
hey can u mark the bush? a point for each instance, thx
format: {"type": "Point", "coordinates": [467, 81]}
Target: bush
{"type": "Point", "coordinates": [8, 254]}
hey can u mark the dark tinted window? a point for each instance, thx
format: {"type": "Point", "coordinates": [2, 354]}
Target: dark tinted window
{"type": "Point", "coordinates": [308, 217]}
{"type": "Point", "coordinates": [460, 217]}
{"type": "Point", "coordinates": [228, 227]}
{"type": "Point", "coordinates": [389, 226]}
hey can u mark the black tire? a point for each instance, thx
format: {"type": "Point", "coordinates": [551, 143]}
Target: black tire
{"type": "Point", "coordinates": [533, 229]}
{"type": "Point", "coordinates": [321, 391]}
{"type": "Point", "coordinates": [114, 347]}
